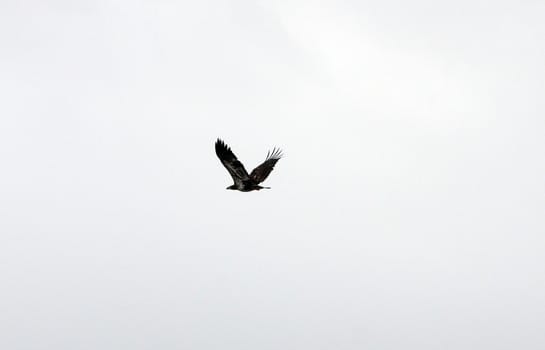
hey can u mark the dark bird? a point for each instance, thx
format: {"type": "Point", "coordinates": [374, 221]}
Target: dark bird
{"type": "Point", "coordinates": [243, 181]}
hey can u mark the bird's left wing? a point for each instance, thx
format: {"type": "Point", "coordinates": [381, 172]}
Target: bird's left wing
{"type": "Point", "coordinates": [260, 173]}
{"type": "Point", "coordinates": [230, 162]}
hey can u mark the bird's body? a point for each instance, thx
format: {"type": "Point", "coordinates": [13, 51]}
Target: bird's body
{"type": "Point", "coordinates": [242, 180]}
{"type": "Point", "coordinates": [246, 186]}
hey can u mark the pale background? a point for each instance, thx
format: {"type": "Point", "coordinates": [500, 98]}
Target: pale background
{"type": "Point", "coordinates": [408, 212]}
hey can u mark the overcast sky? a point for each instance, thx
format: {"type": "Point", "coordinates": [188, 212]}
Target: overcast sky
{"type": "Point", "coordinates": [408, 212]}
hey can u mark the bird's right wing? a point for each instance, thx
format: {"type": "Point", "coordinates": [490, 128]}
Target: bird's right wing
{"type": "Point", "coordinates": [230, 162]}
{"type": "Point", "coordinates": [260, 173]}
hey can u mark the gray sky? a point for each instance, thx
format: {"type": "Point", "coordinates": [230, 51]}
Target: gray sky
{"type": "Point", "coordinates": [408, 212]}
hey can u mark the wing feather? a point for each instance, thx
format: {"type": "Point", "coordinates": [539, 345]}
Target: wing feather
{"type": "Point", "coordinates": [260, 173]}
{"type": "Point", "coordinates": [230, 162]}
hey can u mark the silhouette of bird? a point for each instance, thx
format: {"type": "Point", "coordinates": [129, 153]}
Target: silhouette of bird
{"type": "Point", "coordinates": [242, 181]}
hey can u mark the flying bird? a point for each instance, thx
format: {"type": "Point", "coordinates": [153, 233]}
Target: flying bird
{"type": "Point", "coordinates": [242, 181]}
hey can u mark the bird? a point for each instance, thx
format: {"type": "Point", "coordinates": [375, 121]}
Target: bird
{"type": "Point", "coordinates": [242, 180]}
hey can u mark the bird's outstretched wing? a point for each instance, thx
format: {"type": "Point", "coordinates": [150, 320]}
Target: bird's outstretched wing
{"type": "Point", "coordinates": [260, 173]}
{"type": "Point", "coordinates": [230, 162]}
